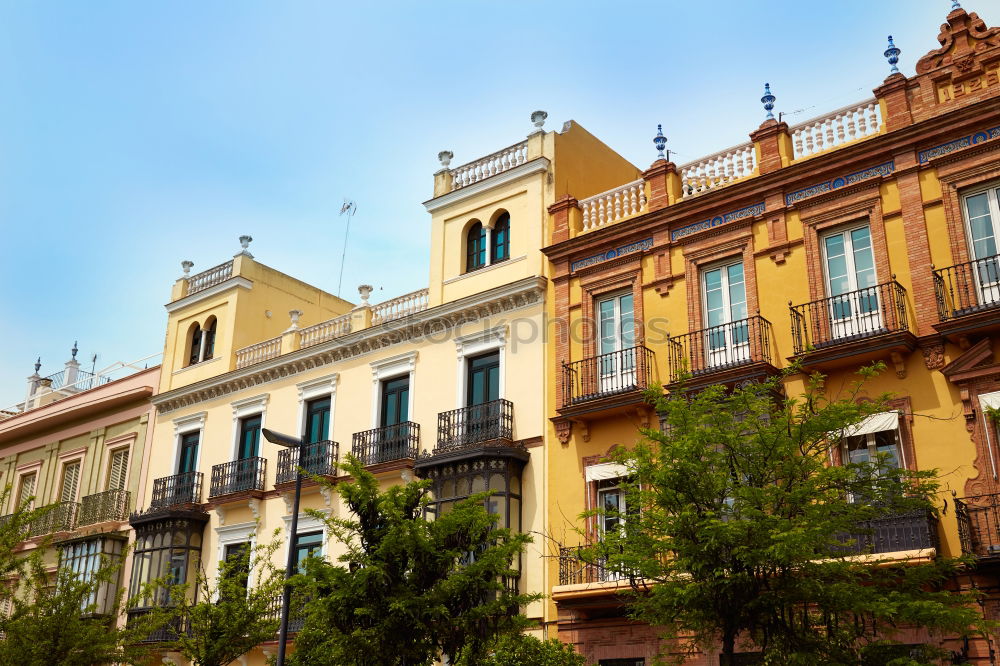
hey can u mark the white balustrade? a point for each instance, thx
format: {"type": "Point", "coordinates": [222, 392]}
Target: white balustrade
{"type": "Point", "coordinates": [857, 121]}
{"type": "Point", "coordinates": [614, 205]}
{"type": "Point", "coordinates": [491, 165]}
{"type": "Point", "coordinates": [209, 278]}
{"type": "Point", "coordinates": [716, 170]}
{"type": "Point", "coordinates": [327, 330]}
{"type": "Point", "coordinates": [262, 351]}
{"type": "Point", "coordinates": [399, 307]}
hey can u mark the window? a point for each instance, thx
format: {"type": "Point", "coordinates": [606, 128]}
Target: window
{"type": "Point", "coordinates": [118, 469]}
{"type": "Point", "coordinates": [195, 338]}
{"type": "Point", "coordinates": [483, 381]}
{"type": "Point", "coordinates": [616, 328]}
{"type": "Point", "coordinates": [395, 404]}
{"type": "Point", "coordinates": [188, 459]}
{"type": "Point", "coordinates": [165, 549]}
{"type": "Point", "coordinates": [727, 338]}
{"type": "Point", "coordinates": [233, 553]}
{"type": "Point", "coordinates": [317, 420]}
{"type": "Point", "coordinates": [865, 448]}
{"type": "Point", "coordinates": [982, 214]}
{"type": "Point", "coordinates": [475, 244]}
{"type": "Point", "coordinates": [70, 481]}
{"type": "Point", "coordinates": [611, 503]}
{"type": "Point", "coordinates": [851, 282]}
{"type": "Point", "coordinates": [85, 558]}
{"type": "Point", "coordinates": [249, 442]}
{"type": "Point", "coordinates": [208, 340]}
{"type": "Point", "coordinates": [26, 493]}
{"type": "Point", "coordinates": [306, 546]}
{"type": "Point", "coordinates": [500, 239]}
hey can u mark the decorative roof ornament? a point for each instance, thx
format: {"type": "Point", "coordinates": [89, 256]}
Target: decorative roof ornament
{"type": "Point", "coordinates": [38, 365]}
{"type": "Point", "coordinates": [445, 157]}
{"type": "Point", "coordinates": [768, 101]}
{"type": "Point", "coordinates": [364, 290]}
{"type": "Point", "coordinates": [245, 241]}
{"type": "Point", "coordinates": [74, 350]}
{"type": "Point", "coordinates": [660, 142]}
{"type": "Point", "coordinates": [538, 119]}
{"type": "Point", "coordinates": [186, 266]}
{"type": "Point", "coordinates": [955, 5]}
{"type": "Point", "coordinates": [892, 55]}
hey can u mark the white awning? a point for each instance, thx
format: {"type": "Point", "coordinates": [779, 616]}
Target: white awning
{"type": "Point", "coordinates": [990, 400]}
{"type": "Point", "coordinates": [874, 423]}
{"type": "Point", "coordinates": [605, 471]}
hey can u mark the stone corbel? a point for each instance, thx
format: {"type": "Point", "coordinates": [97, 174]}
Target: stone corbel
{"type": "Point", "coordinates": [289, 500]}
{"type": "Point", "coordinates": [254, 505]}
{"type": "Point", "coordinates": [564, 428]}
{"type": "Point", "coordinates": [899, 362]}
{"type": "Point", "coordinates": [584, 429]}
{"type": "Point", "coordinates": [220, 512]}
{"type": "Point", "coordinates": [327, 493]}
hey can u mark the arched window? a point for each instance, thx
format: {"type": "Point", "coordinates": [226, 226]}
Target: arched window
{"type": "Point", "coordinates": [500, 242]}
{"type": "Point", "coordinates": [195, 337]}
{"type": "Point", "coordinates": [209, 339]}
{"type": "Point", "coordinates": [475, 247]}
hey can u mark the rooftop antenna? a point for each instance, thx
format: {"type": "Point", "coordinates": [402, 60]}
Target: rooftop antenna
{"type": "Point", "coordinates": [348, 208]}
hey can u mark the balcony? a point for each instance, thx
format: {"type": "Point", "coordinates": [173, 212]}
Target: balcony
{"type": "Point", "coordinates": [573, 570]}
{"type": "Point", "coordinates": [606, 382]}
{"type": "Point", "coordinates": [913, 530]}
{"type": "Point", "coordinates": [979, 525]}
{"type": "Point", "coordinates": [178, 496]}
{"type": "Point", "coordinates": [59, 517]}
{"type": "Point", "coordinates": [853, 328]}
{"type": "Point", "coordinates": [168, 632]}
{"type": "Point", "coordinates": [296, 612]}
{"type": "Point", "coordinates": [317, 459]}
{"type": "Point", "coordinates": [387, 444]}
{"type": "Point", "coordinates": [968, 297]}
{"type": "Point", "coordinates": [725, 354]}
{"type": "Point", "coordinates": [239, 477]}
{"type": "Point", "coordinates": [476, 425]}
{"type": "Point", "coordinates": [103, 507]}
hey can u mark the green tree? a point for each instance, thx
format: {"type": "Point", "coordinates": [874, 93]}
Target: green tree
{"type": "Point", "coordinates": [408, 589]}
{"type": "Point", "coordinates": [522, 650]}
{"type": "Point", "coordinates": [742, 532]}
{"type": "Point", "coordinates": [231, 614]}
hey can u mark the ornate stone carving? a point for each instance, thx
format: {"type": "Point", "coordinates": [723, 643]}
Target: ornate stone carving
{"type": "Point", "coordinates": [564, 428]}
{"type": "Point", "coordinates": [933, 354]}
{"type": "Point", "coordinates": [963, 35]}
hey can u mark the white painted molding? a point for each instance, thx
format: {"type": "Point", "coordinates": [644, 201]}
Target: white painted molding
{"type": "Point", "coordinates": [208, 293]}
{"type": "Point", "coordinates": [537, 165]}
{"type": "Point", "coordinates": [189, 423]}
{"type": "Point", "coordinates": [250, 406]}
{"type": "Point", "coordinates": [485, 269]}
{"type": "Point", "coordinates": [474, 344]}
{"type": "Point", "coordinates": [391, 368]}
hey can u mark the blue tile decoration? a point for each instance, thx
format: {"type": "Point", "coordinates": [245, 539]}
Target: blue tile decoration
{"type": "Point", "coordinates": [926, 156]}
{"type": "Point", "coordinates": [878, 171]}
{"type": "Point", "coordinates": [631, 248]}
{"type": "Point", "coordinates": [718, 221]}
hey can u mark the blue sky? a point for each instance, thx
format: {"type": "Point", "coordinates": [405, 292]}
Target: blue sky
{"type": "Point", "coordinates": [135, 135]}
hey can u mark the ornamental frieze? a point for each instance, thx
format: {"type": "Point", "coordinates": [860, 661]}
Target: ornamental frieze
{"type": "Point", "coordinates": [879, 171]}
{"type": "Point", "coordinates": [608, 255]}
{"type": "Point", "coordinates": [981, 136]}
{"type": "Point", "coordinates": [719, 220]}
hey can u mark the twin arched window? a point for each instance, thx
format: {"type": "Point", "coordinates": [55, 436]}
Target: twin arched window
{"type": "Point", "coordinates": [202, 342]}
{"type": "Point", "coordinates": [484, 246]}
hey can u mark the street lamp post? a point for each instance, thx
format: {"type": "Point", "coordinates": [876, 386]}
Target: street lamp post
{"type": "Point", "coordinates": [286, 597]}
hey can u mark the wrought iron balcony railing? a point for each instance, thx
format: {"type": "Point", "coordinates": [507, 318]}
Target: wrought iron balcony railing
{"type": "Point", "coordinates": [379, 445]}
{"type": "Point", "coordinates": [965, 289]}
{"type": "Point", "coordinates": [607, 375]}
{"type": "Point", "coordinates": [109, 505]}
{"type": "Point", "coordinates": [238, 476]}
{"type": "Point", "coordinates": [913, 530]}
{"type": "Point", "coordinates": [318, 459]}
{"type": "Point", "coordinates": [573, 569]}
{"type": "Point", "coordinates": [719, 348]}
{"type": "Point", "coordinates": [461, 428]}
{"type": "Point", "coordinates": [60, 517]}
{"type": "Point", "coordinates": [296, 611]}
{"type": "Point", "coordinates": [175, 627]}
{"type": "Point", "coordinates": [979, 525]}
{"type": "Point", "coordinates": [176, 490]}
{"type": "Point", "coordinates": [856, 315]}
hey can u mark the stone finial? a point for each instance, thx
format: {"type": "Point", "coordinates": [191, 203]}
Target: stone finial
{"type": "Point", "coordinates": [768, 101]}
{"type": "Point", "coordinates": [245, 241]}
{"type": "Point", "coordinates": [660, 142]}
{"type": "Point", "coordinates": [38, 365]}
{"type": "Point", "coordinates": [365, 290]}
{"type": "Point", "coordinates": [892, 55]}
{"type": "Point", "coordinates": [538, 119]}
{"type": "Point", "coordinates": [294, 316]}
{"type": "Point", "coordinates": [955, 5]}
{"type": "Point", "coordinates": [186, 266]}
{"type": "Point", "coordinates": [445, 157]}
{"type": "Point", "coordinates": [74, 350]}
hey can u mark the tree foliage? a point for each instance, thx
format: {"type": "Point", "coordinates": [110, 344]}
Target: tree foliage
{"type": "Point", "coordinates": [232, 614]}
{"type": "Point", "coordinates": [408, 589]}
{"type": "Point", "coordinates": [745, 529]}
{"type": "Point", "coordinates": [521, 649]}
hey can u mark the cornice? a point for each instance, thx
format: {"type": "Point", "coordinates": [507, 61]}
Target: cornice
{"type": "Point", "coordinates": [537, 165]}
{"type": "Point", "coordinates": [214, 290]}
{"type": "Point", "coordinates": [506, 298]}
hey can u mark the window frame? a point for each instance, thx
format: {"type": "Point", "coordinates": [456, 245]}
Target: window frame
{"type": "Point", "coordinates": [477, 247]}
{"type": "Point", "coordinates": [500, 227]}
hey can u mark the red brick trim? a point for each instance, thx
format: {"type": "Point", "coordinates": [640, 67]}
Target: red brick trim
{"type": "Point", "coordinates": [605, 284]}
{"type": "Point", "coordinates": [698, 256]}
{"type": "Point", "coordinates": [954, 178]}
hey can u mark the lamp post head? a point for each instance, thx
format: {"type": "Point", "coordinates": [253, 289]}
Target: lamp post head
{"type": "Point", "coordinates": [281, 439]}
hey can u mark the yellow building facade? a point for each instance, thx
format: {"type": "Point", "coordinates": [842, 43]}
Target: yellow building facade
{"type": "Point", "coordinates": [444, 383]}
{"type": "Point", "coordinates": [866, 234]}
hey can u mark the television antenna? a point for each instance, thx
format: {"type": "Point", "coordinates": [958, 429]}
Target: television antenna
{"type": "Point", "coordinates": [348, 208]}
